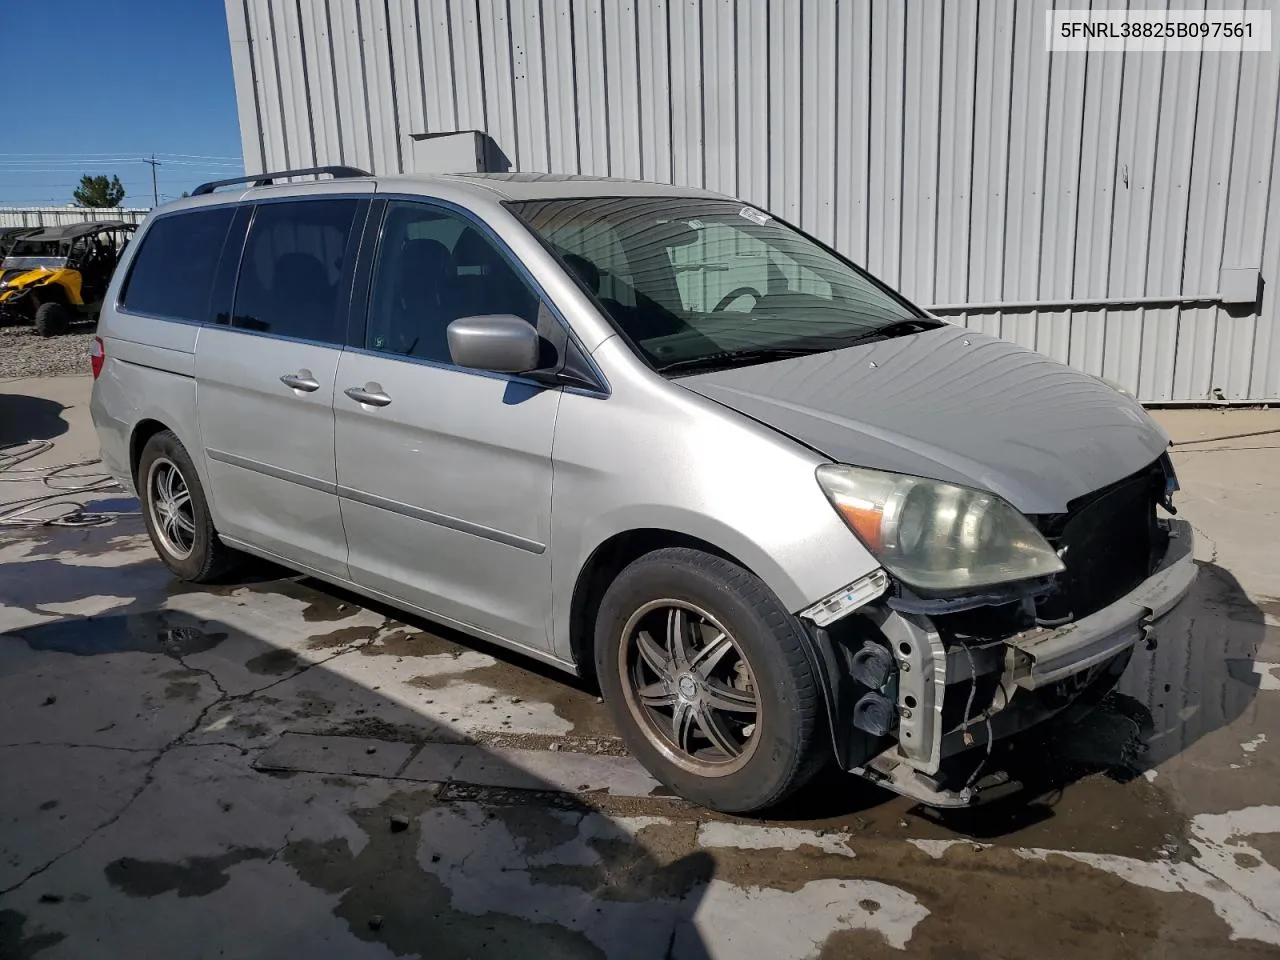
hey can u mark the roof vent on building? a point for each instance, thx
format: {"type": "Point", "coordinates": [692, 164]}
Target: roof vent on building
{"type": "Point", "coordinates": [455, 151]}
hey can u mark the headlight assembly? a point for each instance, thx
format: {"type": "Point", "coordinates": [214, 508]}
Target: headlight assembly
{"type": "Point", "coordinates": [937, 536]}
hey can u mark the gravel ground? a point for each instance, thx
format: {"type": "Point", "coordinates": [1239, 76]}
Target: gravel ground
{"type": "Point", "coordinates": [23, 354]}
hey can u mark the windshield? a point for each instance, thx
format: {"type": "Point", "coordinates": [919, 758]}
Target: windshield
{"type": "Point", "coordinates": [31, 263]}
{"type": "Point", "coordinates": [693, 280]}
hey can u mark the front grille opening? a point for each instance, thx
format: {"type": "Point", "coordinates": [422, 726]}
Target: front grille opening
{"type": "Point", "coordinates": [1109, 542]}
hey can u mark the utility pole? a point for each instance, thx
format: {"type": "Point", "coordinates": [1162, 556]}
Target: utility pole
{"type": "Point", "coordinates": [155, 193]}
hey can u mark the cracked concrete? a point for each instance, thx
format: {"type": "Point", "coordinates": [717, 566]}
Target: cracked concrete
{"type": "Point", "coordinates": [272, 767]}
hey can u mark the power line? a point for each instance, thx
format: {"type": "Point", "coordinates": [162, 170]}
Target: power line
{"type": "Point", "coordinates": [98, 156]}
{"type": "Point", "coordinates": [199, 156]}
{"type": "Point", "coordinates": [165, 180]}
{"type": "Point", "coordinates": [71, 164]}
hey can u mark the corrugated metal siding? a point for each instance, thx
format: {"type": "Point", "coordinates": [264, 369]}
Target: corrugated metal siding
{"type": "Point", "coordinates": [60, 216]}
{"type": "Point", "coordinates": [936, 142]}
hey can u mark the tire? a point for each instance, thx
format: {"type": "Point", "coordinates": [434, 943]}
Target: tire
{"type": "Point", "coordinates": [189, 547]}
{"type": "Point", "coordinates": [52, 319]}
{"type": "Point", "coordinates": [780, 746]}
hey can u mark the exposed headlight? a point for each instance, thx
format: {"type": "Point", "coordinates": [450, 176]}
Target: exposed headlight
{"type": "Point", "coordinates": [934, 535]}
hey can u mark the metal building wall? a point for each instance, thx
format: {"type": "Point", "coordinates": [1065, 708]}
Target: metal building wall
{"type": "Point", "coordinates": [935, 141]}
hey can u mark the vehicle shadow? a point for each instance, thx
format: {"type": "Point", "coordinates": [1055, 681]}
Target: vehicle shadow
{"type": "Point", "coordinates": [24, 418]}
{"type": "Point", "coordinates": [1198, 678]}
{"type": "Point", "coordinates": [422, 865]}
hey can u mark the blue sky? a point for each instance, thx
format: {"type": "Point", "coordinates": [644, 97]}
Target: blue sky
{"type": "Point", "coordinates": [151, 76]}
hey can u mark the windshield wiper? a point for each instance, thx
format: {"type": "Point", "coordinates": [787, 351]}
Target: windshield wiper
{"type": "Point", "coordinates": [896, 328]}
{"type": "Point", "coordinates": [732, 358]}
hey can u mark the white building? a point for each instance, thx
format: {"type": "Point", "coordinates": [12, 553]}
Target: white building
{"type": "Point", "coordinates": [1118, 211]}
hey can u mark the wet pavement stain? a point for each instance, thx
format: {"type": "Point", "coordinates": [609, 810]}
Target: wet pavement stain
{"type": "Point", "coordinates": [180, 673]}
{"type": "Point", "coordinates": [250, 729]}
{"type": "Point", "coordinates": [374, 728]}
{"type": "Point", "coordinates": [342, 637]}
{"type": "Point", "coordinates": [274, 662]}
{"type": "Point", "coordinates": [990, 902]}
{"type": "Point", "coordinates": [16, 945]}
{"type": "Point", "coordinates": [541, 828]}
{"type": "Point", "coordinates": [167, 632]}
{"type": "Point", "coordinates": [1080, 794]}
{"type": "Point", "coordinates": [387, 897]}
{"type": "Point", "coordinates": [1266, 844]}
{"type": "Point", "coordinates": [411, 643]}
{"type": "Point", "coordinates": [88, 541]}
{"type": "Point", "coordinates": [1269, 606]}
{"type": "Point", "coordinates": [655, 865]}
{"type": "Point", "coordinates": [319, 605]}
{"type": "Point", "coordinates": [567, 696]}
{"type": "Point", "coordinates": [193, 877]}
{"type": "Point", "coordinates": [187, 690]}
{"type": "Point", "coordinates": [36, 584]}
{"type": "Point", "coordinates": [312, 705]}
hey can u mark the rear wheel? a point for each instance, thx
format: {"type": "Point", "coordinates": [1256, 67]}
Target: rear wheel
{"type": "Point", "coordinates": [52, 319]}
{"type": "Point", "coordinates": [177, 514]}
{"type": "Point", "coordinates": [706, 677]}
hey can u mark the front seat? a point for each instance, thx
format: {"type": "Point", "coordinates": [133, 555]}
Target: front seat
{"type": "Point", "coordinates": [302, 292]}
{"type": "Point", "coordinates": [419, 316]}
{"type": "Point", "coordinates": [485, 282]}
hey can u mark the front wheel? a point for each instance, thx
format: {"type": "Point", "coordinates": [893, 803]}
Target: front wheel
{"type": "Point", "coordinates": [707, 679]}
{"type": "Point", "coordinates": [52, 319]}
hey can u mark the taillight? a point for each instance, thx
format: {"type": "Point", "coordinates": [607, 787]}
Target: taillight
{"type": "Point", "coordinates": [97, 356]}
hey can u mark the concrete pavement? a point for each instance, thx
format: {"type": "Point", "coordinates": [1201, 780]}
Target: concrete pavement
{"type": "Point", "coordinates": [277, 768]}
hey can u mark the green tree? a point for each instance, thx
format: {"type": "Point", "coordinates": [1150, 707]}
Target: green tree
{"type": "Point", "coordinates": [99, 192]}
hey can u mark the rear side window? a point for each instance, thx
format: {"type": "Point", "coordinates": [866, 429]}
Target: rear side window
{"type": "Point", "coordinates": [172, 274]}
{"type": "Point", "coordinates": [295, 259]}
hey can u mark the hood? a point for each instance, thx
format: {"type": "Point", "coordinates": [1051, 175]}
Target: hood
{"type": "Point", "coordinates": [23, 276]}
{"type": "Point", "coordinates": [955, 405]}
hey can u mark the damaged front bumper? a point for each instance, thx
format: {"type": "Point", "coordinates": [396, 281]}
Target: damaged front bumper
{"type": "Point", "coordinates": [1026, 678]}
{"type": "Point", "coordinates": [1046, 657]}
{"type": "Point", "coordinates": [16, 306]}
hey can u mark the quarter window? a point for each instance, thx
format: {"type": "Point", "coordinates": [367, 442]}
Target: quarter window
{"type": "Point", "coordinates": [292, 269]}
{"type": "Point", "coordinates": [172, 274]}
{"type": "Point", "coordinates": [434, 267]}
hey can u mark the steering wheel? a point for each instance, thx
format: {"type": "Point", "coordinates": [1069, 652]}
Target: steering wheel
{"type": "Point", "coordinates": [733, 295]}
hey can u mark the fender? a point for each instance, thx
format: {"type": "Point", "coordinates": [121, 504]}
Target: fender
{"type": "Point", "coordinates": [68, 280]}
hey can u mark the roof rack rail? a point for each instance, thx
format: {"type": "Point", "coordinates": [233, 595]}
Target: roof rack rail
{"type": "Point", "coordinates": [265, 179]}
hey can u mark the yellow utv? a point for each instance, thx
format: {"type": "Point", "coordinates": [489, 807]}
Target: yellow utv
{"type": "Point", "coordinates": [57, 275]}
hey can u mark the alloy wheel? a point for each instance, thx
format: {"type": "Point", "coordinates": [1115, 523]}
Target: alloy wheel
{"type": "Point", "coordinates": [688, 684]}
{"type": "Point", "coordinates": [172, 515]}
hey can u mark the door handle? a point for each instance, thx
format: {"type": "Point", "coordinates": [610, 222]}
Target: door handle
{"type": "Point", "coordinates": [302, 380]}
{"type": "Point", "coordinates": [370, 393]}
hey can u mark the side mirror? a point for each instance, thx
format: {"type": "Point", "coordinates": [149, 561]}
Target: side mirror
{"type": "Point", "coordinates": [501, 343]}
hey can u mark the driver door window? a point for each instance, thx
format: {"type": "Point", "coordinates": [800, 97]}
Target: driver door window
{"type": "Point", "coordinates": [434, 267]}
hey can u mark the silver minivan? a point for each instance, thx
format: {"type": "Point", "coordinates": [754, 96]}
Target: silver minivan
{"type": "Point", "coordinates": [653, 435]}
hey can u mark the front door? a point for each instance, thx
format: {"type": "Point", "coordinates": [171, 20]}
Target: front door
{"type": "Point", "coordinates": [444, 474]}
{"type": "Point", "coordinates": [265, 382]}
